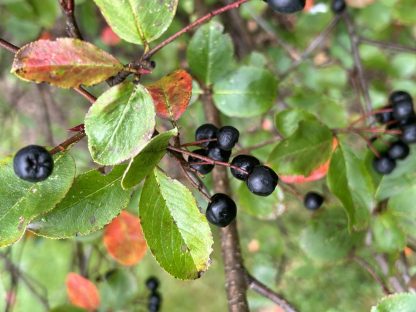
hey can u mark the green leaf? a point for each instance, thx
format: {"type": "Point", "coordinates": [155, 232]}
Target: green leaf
{"type": "Point", "coordinates": [269, 208]}
{"type": "Point", "coordinates": [120, 123]}
{"type": "Point", "coordinates": [402, 178]}
{"type": "Point", "coordinates": [306, 149]}
{"type": "Point", "coordinates": [67, 308]}
{"type": "Point", "coordinates": [404, 302]}
{"type": "Point", "coordinates": [177, 234]}
{"type": "Point", "coordinates": [138, 21]}
{"type": "Point", "coordinates": [349, 180]}
{"type": "Point", "coordinates": [148, 158]}
{"type": "Point", "coordinates": [388, 237]}
{"type": "Point", "coordinates": [402, 207]}
{"type": "Point", "coordinates": [246, 92]}
{"type": "Point", "coordinates": [92, 202]}
{"type": "Point", "coordinates": [287, 121]}
{"type": "Point", "coordinates": [21, 201]}
{"type": "Point", "coordinates": [327, 237]}
{"type": "Point", "coordinates": [210, 53]}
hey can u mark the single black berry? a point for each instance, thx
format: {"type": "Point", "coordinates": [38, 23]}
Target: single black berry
{"type": "Point", "coordinates": [338, 6]}
{"type": "Point", "coordinates": [33, 163]}
{"type": "Point", "coordinates": [227, 137]}
{"type": "Point", "coordinates": [221, 211]}
{"type": "Point", "coordinates": [152, 283]}
{"type": "Point", "coordinates": [286, 6]}
{"type": "Point", "coordinates": [262, 180]}
{"type": "Point", "coordinates": [403, 110]}
{"type": "Point", "coordinates": [219, 154]}
{"type": "Point", "coordinates": [155, 299]}
{"type": "Point", "coordinates": [399, 96]}
{"type": "Point", "coordinates": [198, 164]}
{"type": "Point", "coordinates": [245, 162]}
{"type": "Point", "coordinates": [409, 133]}
{"type": "Point", "coordinates": [384, 164]}
{"type": "Point", "coordinates": [385, 117]}
{"type": "Point", "coordinates": [206, 132]}
{"type": "Point", "coordinates": [313, 201]}
{"type": "Point", "coordinates": [398, 150]}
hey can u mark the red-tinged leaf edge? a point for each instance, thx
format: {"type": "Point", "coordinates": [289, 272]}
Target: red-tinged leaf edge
{"type": "Point", "coordinates": [172, 94]}
{"type": "Point", "coordinates": [82, 292]}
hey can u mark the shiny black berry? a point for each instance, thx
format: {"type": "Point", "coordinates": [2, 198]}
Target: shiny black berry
{"type": "Point", "coordinates": [403, 110]}
{"type": "Point", "coordinates": [155, 299]}
{"type": "Point", "coordinates": [206, 132]}
{"type": "Point", "coordinates": [198, 164]}
{"type": "Point", "coordinates": [286, 6]}
{"type": "Point", "coordinates": [313, 201]}
{"type": "Point", "coordinates": [152, 283]}
{"type": "Point", "coordinates": [398, 150]}
{"type": "Point", "coordinates": [219, 154]}
{"type": "Point", "coordinates": [33, 163]}
{"type": "Point", "coordinates": [399, 96]}
{"type": "Point", "coordinates": [384, 117]}
{"type": "Point", "coordinates": [409, 133]}
{"type": "Point", "coordinates": [221, 211]}
{"type": "Point", "coordinates": [262, 181]}
{"type": "Point", "coordinates": [227, 137]}
{"type": "Point", "coordinates": [384, 164]}
{"type": "Point", "coordinates": [245, 162]}
{"type": "Point", "coordinates": [338, 6]}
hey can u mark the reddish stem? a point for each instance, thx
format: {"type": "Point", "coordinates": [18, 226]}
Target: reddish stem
{"type": "Point", "coordinates": [8, 46]}
{"type": "Point", "coordinates": [197, 143]}
{"type": "Point", "coordinates": [91, 98]}
{"type": "Point", "coordinates": [198, 22]}
{"type": "Point", "coordinates": [67, 143]}
{"type": "Point", "coordinates": [372, 113]}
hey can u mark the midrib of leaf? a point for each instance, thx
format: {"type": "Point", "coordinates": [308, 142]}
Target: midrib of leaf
{"type": "Point", "coordinates": [166, 97]}
{"type": "Point", "coordinates": [137, 24]}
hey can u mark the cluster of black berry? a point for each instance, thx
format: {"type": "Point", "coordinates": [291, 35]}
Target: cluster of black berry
{"type": "Point", "coordinates": [155, 299]}
{"type": "Point", "coordinates": [218, 143]}
{"type": "Point", "coordinates": [399, 114]}
{"type": "Point", "coordinates": [33, 163]}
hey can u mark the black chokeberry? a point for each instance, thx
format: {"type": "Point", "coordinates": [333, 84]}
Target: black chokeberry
{"type": "Point", "coordinates": [155, 299]}
{"type": "Point", "coordinates": [33, 163]}
{"type": "Point", "coordinates": [227, 138]}
{"type": "Point", "coordinates": [399, 96]}
{"type": "Point", "coordinates": [152, 283]}
{"type": "Point", "coordinates": [286, 6]}
{"type": "Point", "coordinates": [198, 164]}
{"type": "Point", "coordinates": [262, 180]}
{"type": "Point", "coordinates": [219, 154]}
{"type": "Point", "coordinates": [313, 200]}
{"type": "Point", "coordinates": [245, 162]}
{"type": "Point", "coordinates": [384, 164]}
{"type": "Point", "coordinates": [409, 133]}
{"type": "Point", "coordinates": [221, 211]}
{"type": "Point", "coordinates": [402, 105]}
{"type": "Point", "coordinates": [206, 132]}
{"type": "Point", "coordinates": [384, 117]}
{"type": "Point", "coordinates": [338, 6]}
{"type": "Point", "coordinates": [398, 150]}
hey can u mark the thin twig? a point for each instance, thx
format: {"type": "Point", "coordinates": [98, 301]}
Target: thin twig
{"type": "Point", "coordinates": [68, 8]}
{"type": "Point", "coordinates": [8, 46]}
{"type": "Point", "coordinates": [388, 46]}
{"type": "Point", "coordinates": [67, 143]}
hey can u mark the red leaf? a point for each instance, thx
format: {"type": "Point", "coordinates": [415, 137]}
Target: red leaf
{"type": "Point", "coordinates": [317, 174]}
{"type": "Point", "coordinates": [65, 63]}
{"type": "Point", "coordinates": [309, 4]}
{"type": "Point", "coordinates": [109, 37]}
{"type": "Point", "coordinates": [82, 292]}
{"type": "Point", "coordinates": [124, 240]}
{"type": "Point", "coordinates": [172, 94]}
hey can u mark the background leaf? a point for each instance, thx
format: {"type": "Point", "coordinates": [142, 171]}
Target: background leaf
{"type": "Point", "coordinates": [246, 92]}
{"type": "Point", "coordinates": [120, 123]}
{"type": "Point", "coordinates": [124, 240]}
{"type": "Point", "coordinates": [144, 163]}
{"type": "Point", "coordinates": [171, 94]}
{"type": "Point", "coordinates": [138, 21]}
{"type": "Point", "coordinates": [21, 201]}
{"type": "Point", "coordinates": [210, 53]}
{"type": "Point", "coordinates": [388, 237]}
{"type": "Point", "coordinates": [287, 121]}
{"type": "Point", "coordinates": [92, 202]}
{"type": "Point", "coordinates": [176, 232]}
{"type": "Point", "coordinates": [65, 62]}
{"type": "Point", "coordinates": [396, 303]}
{"type": "Point", "coordinates": [82, 292]}
{"type": "Point", "coordinates": [309, 147]}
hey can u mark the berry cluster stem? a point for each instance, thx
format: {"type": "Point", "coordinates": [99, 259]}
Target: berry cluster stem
{"type": "Point", "coordinates": [196, 143]}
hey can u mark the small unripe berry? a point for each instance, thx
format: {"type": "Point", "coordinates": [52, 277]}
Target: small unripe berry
{"type": "Point", "coordinates": [221, 211]}
{"type": "Point", "coordinates": [313, 200]}
{"type": "Point", "coordinates": [227, 137]}
{"type": "Point", "coordinates": [262, 181]}
{"type": "Point", "coordinates": [245, 162]}
{"type": "Point", "coordinates": [33, 163]}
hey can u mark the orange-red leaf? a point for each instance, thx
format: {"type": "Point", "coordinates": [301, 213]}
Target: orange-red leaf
{"type": "Point", "coordinates": [65, 62]}
{"type": "Point", "coordinates": [82, 292]}
{"type": "Point", "coordinates": [124, 240]}
{"type": "Point", "coordinates": [109, 37]}
{"type": "Point", "coordinates": [172, 94]}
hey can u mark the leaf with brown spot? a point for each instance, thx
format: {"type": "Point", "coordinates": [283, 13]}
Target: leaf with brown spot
{"type": "Point", "coordinates": [65, 62]}
{"type": "Point", "coordinates": [123, 239]}
{"type": "Point", "coordinates": [81, 292]}
{"type": "Point", "coordinates": [172, 94]}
